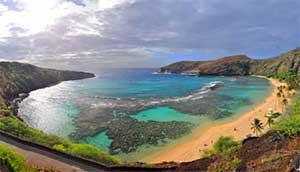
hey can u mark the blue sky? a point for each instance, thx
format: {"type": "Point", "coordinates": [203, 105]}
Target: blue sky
{"type": "Point", "coordinates": [92, 34]}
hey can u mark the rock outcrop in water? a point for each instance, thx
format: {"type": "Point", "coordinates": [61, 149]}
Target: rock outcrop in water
{"type": "Point", "coordinates": [238, 65]}
{"type": "Point", "coordinates": [18, 79]}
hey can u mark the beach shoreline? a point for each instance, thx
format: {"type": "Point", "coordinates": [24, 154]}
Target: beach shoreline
{"type": "Point", "coordinates": [192, 147]}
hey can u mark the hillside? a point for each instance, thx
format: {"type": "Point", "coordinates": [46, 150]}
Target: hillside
{"type": "Point", "coordinates": [18, 78]}
{"type": "Point", "coordinates": [271, 152]}
{"type": "Point", "coordinates": [239, 65]}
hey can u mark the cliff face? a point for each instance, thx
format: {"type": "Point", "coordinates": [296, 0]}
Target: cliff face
{"type": "Point", "coordinates": [16, 78]}
{"type": "Point", "coordinates": [287, 62]}
{"type": "Point", "coordinates": [239, 65]}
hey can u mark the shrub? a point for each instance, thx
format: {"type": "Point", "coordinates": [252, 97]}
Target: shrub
{"type": "Point", "coordinates": [289, 125]}
{"type": "Point", "coordinates": [236, 162]}
{"type": "Point", "coordinates": [88, 151]}
{"type": "Point", "coordinates": [13, 161]}
{"type": "Point", "coordinates": [224, 144]}
{"type": "Point", "coordinates": [14, 126]}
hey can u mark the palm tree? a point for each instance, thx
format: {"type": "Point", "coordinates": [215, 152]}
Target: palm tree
{"type": "Point", "coordinates": [276, 115]}
{"type": "Point", "coordinates": [257, 126]}
{"type": "Point", "coordinates": [270, 120]}
{"type": "Point", "coordinates": [285, 102]}
{"type": "Point", "coordinates": [278, 94]}
{"type": "Point", "coordinates": [278, 97]}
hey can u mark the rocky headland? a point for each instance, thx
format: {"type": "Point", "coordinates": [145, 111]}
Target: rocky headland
{"type": "Point", "coordinates": [18, 79]}
{"type": "Point", "coordinates": [239, 65]}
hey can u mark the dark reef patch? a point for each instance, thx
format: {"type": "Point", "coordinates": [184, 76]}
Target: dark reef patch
{"type": "Point", "coordinates": [128, 134]}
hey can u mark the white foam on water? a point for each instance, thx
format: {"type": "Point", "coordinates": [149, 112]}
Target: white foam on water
{"type": "Point", "coordinates": [119, 102]}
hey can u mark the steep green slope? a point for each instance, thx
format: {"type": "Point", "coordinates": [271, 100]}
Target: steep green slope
{"type": "Point", "coordinates": [18, 78]}
{"type": "Point", "coordinates": [284, 63]}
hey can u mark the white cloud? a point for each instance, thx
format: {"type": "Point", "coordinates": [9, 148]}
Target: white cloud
{"type": "Point", "coordinates": [3, 8]}
{"type": "Point", "coordinates": [105, 4]}
{"type": "Point", "coordinates": [119, 32]}
{"type": "Point", "coordinates": [35, 15]}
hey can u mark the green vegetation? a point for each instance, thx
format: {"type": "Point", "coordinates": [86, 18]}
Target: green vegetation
{"type": "Point", "coordinates": [271, 118]}
{"type": "Point", "coordinates": [257, 126]}
{"type": "Point", "coordinates": [292, 79]}
{"type": "Point", "coordinates": [236, 161]}
{"type": "Point", "coordinates": [289, 125]}
{"type": "Point", "coordinates": [273, 157]}
{"type": "Point", "coordinates": [18, 78]}
{"type": "Point", "coordinates": [224, 144]}
{"type": "Point", "coordinates": [87, 151]}
{"type": "Point", "coordinates": [11, 161]}
{"type": "Point", "coordinates": [295, 105]}
{"type": "Point", "coordinates": [14, 126]}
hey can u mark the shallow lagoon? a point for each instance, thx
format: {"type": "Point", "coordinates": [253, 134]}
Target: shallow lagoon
{"type": "Point", "coordinates": [54, 109]}
{"type": "Point", "coordinates": [164, 114]}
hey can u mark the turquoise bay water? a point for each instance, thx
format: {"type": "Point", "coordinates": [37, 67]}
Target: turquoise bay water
{"type": "Point", "coordinates": [163, 114]}
{"type": "Point", "coordinates": [101, 140]}
{"type": "Point", "coordinates": [54, 109]}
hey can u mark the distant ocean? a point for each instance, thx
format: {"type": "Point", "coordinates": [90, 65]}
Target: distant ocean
{"type": "Point", "coordinates": [54, 109]}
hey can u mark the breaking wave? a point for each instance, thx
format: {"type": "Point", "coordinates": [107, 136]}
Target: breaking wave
{"type": "Point", "coordinates": [119, 102]}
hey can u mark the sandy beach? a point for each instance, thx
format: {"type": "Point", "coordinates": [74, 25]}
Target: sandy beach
{"type": "Point", "coordinates": [192, 147]}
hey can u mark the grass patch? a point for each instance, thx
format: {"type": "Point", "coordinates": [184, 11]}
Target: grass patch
{"type": "Point", "coordinates": [290, 125]}
{"type": "Point", "coordinates": [224, 144]}
{"type": "Point", "coordinates": [87, 151]}
{"type": "Point", "coordinates": [11, 160]}
{"type": "Point", "coordinates": [272, 158]}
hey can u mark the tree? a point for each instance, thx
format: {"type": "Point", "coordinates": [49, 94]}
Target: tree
{"type": "Point", "coordinates": [271, 118]}
{"type": "Point", "coordinates": [257, 126]}
{"type": "Point", "coordinates": [278, 96]}
{"type": "Point", "coordinates": [276, 115]}
{"type": "Point", "coordinates": [285, 102]}
{"type": "Point", "coordinates": [270, 121]}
